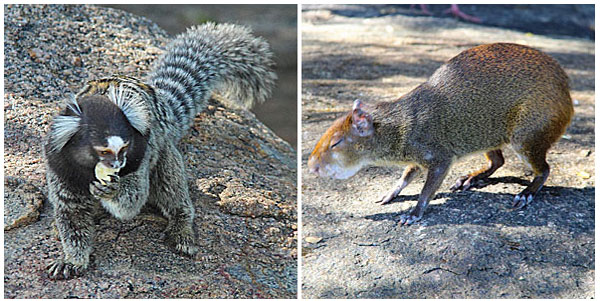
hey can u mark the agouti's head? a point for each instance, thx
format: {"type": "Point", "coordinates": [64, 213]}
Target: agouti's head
{"type": "Point", "coordinates": [341, 151]}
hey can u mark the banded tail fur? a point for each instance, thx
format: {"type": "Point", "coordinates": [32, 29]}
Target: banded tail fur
{"type": "Point", "coordinates": [224, 57]}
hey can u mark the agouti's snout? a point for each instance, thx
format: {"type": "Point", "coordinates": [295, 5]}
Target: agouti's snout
{"type": "Point", "coordinates": [335, 155]}
{"type": "Point", "coordinates": [313, 166]}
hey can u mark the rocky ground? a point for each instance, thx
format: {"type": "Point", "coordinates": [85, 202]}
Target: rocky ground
{"type": "Point", "coordinates": [241, 175]}
{"type": "Point", "coordinates": [469, 244]}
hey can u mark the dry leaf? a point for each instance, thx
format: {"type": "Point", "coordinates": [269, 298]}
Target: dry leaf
{"type": "Point", "coordinates": [313, 239]}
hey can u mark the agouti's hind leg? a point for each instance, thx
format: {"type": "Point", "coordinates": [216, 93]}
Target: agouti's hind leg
{"type": "Point", "coordinates": [410, 172]}
{"type": "Point", "coordinates": [495, 161]}
{"type": "Point", "coordinates": [535, 156]}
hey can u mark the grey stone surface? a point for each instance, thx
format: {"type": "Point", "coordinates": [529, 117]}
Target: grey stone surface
{"type": "Point", "coordinates": [242, 176]}
{"type": "Point", "coordinates": [25, 205]}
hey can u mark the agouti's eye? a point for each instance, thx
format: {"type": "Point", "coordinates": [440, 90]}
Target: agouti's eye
{"type": "Point", "coordinates": [336, 143]}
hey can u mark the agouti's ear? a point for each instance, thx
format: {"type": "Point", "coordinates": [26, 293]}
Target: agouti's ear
{"type": "Point", "coordinates": [362, 122]}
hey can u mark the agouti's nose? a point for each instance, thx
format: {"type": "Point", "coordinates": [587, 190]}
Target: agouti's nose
{"type": "Point", "coordinates": [313, 166]}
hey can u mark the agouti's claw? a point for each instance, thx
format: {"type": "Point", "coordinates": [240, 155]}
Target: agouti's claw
{"type": "Point", "coordinates": [408, 219]}
{"type": "Point", "coordinates": [387, 198]}
{"type": "Point", "coordinates": [521, 200]}
{"type": "Point", "coordinates": [463, 183]}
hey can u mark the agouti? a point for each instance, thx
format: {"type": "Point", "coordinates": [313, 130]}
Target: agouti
{"type": "Point", "coordinates": [478, 101]}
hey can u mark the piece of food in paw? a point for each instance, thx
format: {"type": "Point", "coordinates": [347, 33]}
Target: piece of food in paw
{"type": "Point", "coordinates": [104, 172]}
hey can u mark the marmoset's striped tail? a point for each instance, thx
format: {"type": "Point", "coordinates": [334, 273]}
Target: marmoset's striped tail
{"type": "Point", "coordinates": [226, 58]}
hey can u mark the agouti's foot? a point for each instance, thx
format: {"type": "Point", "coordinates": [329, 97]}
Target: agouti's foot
{"type": "Point", "coordinates": [388, 197]}
{"type": "Point", "coordinates": [523, 199]}
{"type": "Point", "coordinates": [464, 183]}
{"type": "Point", "coordinates": [408, 219]}
{"type": "Point", "coordinates": [61, 270]}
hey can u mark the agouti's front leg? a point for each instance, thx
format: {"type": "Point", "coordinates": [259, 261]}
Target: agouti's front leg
{"type": "Point", "coordinates": [435, 176]}
{"type": "Point", "coordinates": [410, 172]}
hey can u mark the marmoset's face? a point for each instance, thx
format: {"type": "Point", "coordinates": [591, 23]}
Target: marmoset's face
{"type": "Point", "coordinates": [114, 153]}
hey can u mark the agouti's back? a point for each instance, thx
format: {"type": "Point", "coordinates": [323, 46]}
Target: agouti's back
{"type": "Point", "coordinates": [479, 98]}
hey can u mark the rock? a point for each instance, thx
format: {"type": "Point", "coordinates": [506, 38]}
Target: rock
{"type": "Point", "coordinates": [585, 152]}
{"type": "Point", "coordinates": [23, 202]}
{"type": "Point", "coordinates": [77, 62]}
{"type": "Point", "coordinates": [584, 174]}
{"type": "Point", "coordinates": [245, 203]}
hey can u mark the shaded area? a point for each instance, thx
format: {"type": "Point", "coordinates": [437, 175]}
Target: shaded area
{"type": "Point", "coordinates": [575, 20]}
{"type": "Point", "coordinates": [344, 64]}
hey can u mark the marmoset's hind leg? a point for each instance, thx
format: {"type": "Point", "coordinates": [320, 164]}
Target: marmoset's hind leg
{"type": "Point", "coordinates": [170, 193]}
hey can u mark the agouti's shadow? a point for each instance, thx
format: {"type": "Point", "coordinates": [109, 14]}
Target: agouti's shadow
{"type": "Point", "coordinates": [506, 180]}
{"type": "Point", "coordinates": [567, 207]}
{"type": "Point", "coordinates": [478, 185]}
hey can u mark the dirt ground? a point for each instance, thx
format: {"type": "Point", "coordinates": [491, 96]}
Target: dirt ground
{"type": "Point", "coordinates": [469, 244]}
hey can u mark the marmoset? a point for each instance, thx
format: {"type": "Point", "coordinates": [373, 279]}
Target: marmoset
{"type": "Point", "coordinates": [115, 143]}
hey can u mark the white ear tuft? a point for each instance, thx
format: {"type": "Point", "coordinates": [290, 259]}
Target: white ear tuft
{"type": "Point", "coordinates": [62, 130]}
{"type": "Point", "coordinates": [128, 98]}
{"type": "Point", "coordinates": [73, 105]}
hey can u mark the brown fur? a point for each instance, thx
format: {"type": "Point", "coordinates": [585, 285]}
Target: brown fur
{"type": "Point", "coordinates": [480, 100]}
{"type": "Point", "coordinates": [341, 125]}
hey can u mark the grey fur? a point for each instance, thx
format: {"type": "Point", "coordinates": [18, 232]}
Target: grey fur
{"type": "Point", "coordinates": [197, 62]}
{"type": "Point", "coordinates": [224, 57]}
